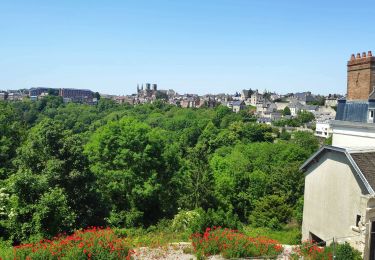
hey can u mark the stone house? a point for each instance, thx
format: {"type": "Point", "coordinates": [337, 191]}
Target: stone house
{"type": "Point", "coordinates": [256, 98]}
{"type": "Point", "coordinates": [339, 198]}
{"type": "Point", "coordinates": [236, 106]}
{"type": "Point", "coordinates": [295, 107]}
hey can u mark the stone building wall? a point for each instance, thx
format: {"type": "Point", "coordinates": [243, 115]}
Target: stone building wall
{"type": "Point", "coordinates": [361, 76]}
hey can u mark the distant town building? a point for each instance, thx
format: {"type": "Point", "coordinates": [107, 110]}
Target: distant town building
{"type": "Point", "coordinates": [149, 90]}
{"type": "Point", "coordinates": [76, 94]}
{"type": "Point", "coordinates": [131, 100]}
{"type": "Point", "coordinates": [310, 108]}
{"type": "Point", "coordinates": [3, 95]}
{"type": "Point", "coordinates": [330, 102]}
{"type": "Point", "coordinates": [256, 98]}
{"type": "Point", "coordinates": [36, 92]}
{"type": "Point", "coordinates": [245, 94]}
{"type": "Point", "coordinates": [304, 97]}
{"type": "Point", "coordinates": [236, 106]}
{"type": "Point", "coordinates": [15, 96]}
{"type": "Point", "coordinates": [191, 102]}
{"type": "Point", "coordinates": [323, 129]}
{"type": "Point", "coordinates": [295, 107]}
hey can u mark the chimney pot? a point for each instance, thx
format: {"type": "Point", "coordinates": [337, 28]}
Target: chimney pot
{"type": "Point", "coordinates": [358, 56]}
{"type": "Point", "coordinates": [363, 54]}
{"type": "Point", "coordinates": [369, 54]}
{"type": "Point", "coordinates": [352, 57]}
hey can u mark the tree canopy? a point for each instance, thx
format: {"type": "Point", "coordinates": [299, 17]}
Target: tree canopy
{"type": "Point", "coordinates": [69, 166]}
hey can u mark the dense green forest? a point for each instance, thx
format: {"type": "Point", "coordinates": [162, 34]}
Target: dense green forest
{"type": "Point", "coordinates": [69, 166]}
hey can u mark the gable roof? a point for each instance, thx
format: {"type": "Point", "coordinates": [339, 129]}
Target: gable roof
{"type": "Point", "coordinates": [362, 160]}
{"type": "Point", "coordinates": [238, 103]}
{"type": "Point", "coordinates": [366, 163]}
{"type": "Point", "coordinates": [372, 95]}
{"type": "Point", "coordinates": [311, 107]}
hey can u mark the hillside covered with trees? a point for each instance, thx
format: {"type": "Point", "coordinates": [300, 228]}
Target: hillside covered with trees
{"type": "Point", "coordinates": [69, 166]}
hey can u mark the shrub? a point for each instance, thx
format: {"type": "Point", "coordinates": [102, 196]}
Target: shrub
{"type": "Point", "coordinates": [345, 251]}
{"type": "Point", "coordinates": [309, 250]}
{"type": "Point", "coordinates": [270, 211]}
{"type": "Point", "coordinates": [184, 220]}
{"type": "Point", "coordinates": [93, 242]}
{"type": "Point", "coordinates": [212, 218]}
{"type": "Point", "coordinates": [232, 244]}
{"type": "Point", "coordinates": [298, 210]}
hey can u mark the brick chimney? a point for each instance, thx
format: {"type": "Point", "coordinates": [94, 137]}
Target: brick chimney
{"type": "Point", "coordinates": [361, 76]}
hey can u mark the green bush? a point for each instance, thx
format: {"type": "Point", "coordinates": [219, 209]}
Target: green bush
{"type": "Point", "coordinates": [310, 251]}
{"type": "Point", "coordinates": [345, 251]}
{"type": "Point", "coordinates": [215, 218]}
{"type": "Point", "coordinates": [185, 219]}
{"type": "Point", "coordinates": [270, 211]}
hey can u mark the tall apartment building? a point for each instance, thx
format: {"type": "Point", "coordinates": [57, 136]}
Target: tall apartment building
{"type": "Point", "coordinates": [36, 92]}
{"type": "Point", "coordinates": [76, 94]}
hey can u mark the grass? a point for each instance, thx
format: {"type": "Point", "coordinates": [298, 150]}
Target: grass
{"type": "Point", "coordinates": [289, 235]}
{"type": "Point", "coordinates": [5, 249]}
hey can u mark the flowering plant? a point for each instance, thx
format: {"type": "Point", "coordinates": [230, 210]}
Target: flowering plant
{"type": "Point", "coordinates": [311, 250]}
{"type": "Point", "coordinates": [90, 243]}
{"type": "Point", "coordinates": [233, 244]}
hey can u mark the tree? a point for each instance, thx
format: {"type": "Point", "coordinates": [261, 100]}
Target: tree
{"type": "Point", "coordinates": [286, 111]}
{"type": "Point", "coordinates": [53, 92]}
{"type": "Point", "coordinates": [10, 136]}
{"type": "Point", "coordinates": [161, 95]}
{"type": "Point", "coordinates": [305, 116]}
{"type": "Point", "coordinates": [134, 164]}
{"type": "Point", "coordinates": [97, 95]}
{"type": "Point", "coordinates": [306, 140]}
{"type": "Point", "coordinates": [51, 164]}
{"type": "Point", "coordinates": [284, 135]}
{"type": "Point", "coordinates": [271, 211]}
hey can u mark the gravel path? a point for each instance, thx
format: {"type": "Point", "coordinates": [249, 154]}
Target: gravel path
{"type": "Point", "coordinates": [182, 251]}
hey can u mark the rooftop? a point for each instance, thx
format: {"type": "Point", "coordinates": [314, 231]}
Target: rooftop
{"type": "Point", "coordinates": [362, 159]}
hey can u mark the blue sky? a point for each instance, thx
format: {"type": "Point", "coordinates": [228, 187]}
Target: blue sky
{"type": "Point", "coordinates": [195, 46]}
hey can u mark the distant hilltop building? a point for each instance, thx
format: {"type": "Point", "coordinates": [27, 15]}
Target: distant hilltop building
{"type": "Point", "coordinates": [68, 94]}
{"type": "Point", "coordinates": [148, 90]}
{"type": "Point", "coordinates": [35, 92]}
{"type": "Point", "coordinates": [76, 94]}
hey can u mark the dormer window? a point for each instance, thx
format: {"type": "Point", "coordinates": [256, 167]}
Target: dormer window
{"type": "Point", "coordinates": [371, 116]}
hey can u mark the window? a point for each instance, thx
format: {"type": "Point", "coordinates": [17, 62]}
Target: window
{"type": "Point", "coordinates": [370, 116]}
{"type": "Point", "coordinates": [358, 219]}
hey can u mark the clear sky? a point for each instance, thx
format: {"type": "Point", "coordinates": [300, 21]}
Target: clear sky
{"type": "Point", "coordinates": [194, 46]}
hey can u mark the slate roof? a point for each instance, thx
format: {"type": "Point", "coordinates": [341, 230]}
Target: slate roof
{"type": "Point", "coordinates": [354, 111]}
{"type": "Point", "coordinates": [311, 107]}
{"type": "Point", "coordinates": [366, 163]}
{"type": "Point", "coordinates": [237, 103]}
{"type": "Point", "coordinates": [361, 159]}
